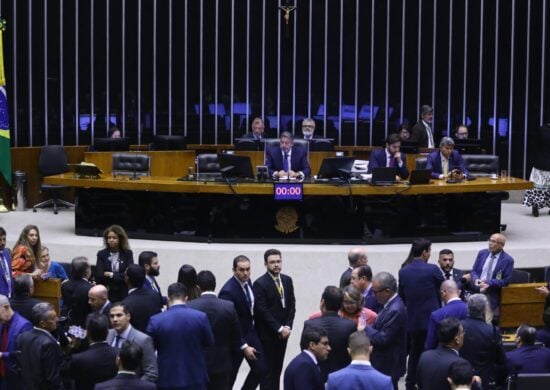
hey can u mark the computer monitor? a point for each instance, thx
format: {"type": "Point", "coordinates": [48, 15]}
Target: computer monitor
{"type": "Point", "coordinates": [233, 165]}
{"type": "Point", "coordinates": [468, 146]}
{"type": "Point", "coordinates": [111, 144]}
{"type": "Point", "coordinates": [168, 142]}
{"type": "Point", "coordinates": [335, 167]}
{"type": "Point", "coordinates": [321, 145]}
{"type": "Point", "coordinates": [248, 144]}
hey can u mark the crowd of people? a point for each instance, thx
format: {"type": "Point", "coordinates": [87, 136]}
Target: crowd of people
{"type": "Point", "coordinates": [433, 323]}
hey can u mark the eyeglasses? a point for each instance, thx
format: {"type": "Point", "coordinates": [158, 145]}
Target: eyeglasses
{"type": "Point", "coordinates": [309, 126]}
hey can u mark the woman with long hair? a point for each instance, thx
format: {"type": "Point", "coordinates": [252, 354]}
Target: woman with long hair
{"type": "Point", "coordinates": [112, 261]}
{"type": "Point", "coordinates": [26, 253]}
{"type": "Point", "coordinates": [353, 309]}
{"type": "Point", "coordinates": [187, 276]}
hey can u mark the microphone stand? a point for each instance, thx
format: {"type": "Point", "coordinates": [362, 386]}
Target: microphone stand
{"type": "Point", "coordinates": [135, 176]}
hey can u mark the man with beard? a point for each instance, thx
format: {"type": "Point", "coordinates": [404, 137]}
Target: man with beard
{"type": "Point", "coordinates": [150, 263]}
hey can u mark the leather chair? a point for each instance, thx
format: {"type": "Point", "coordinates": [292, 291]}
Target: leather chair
{"type": "Point", "coordinates": [519, 276]}
{"type": "Point", "coordinates": [52, 161]}
{"type": "Point", "coordinates": [130, 164]}
{"type": "Point", "coordinates": [481, 165]}
{"type": "Point", "coordinates": [272, 143]}
{"type": "Point", "coordinates": [529, 382]}
{"type": "Point", "coordinates": [421, 163]}
{"type": "Point", "coordinates": [208, 166]}
{"type": "Point", "coordinates": [168, 142]}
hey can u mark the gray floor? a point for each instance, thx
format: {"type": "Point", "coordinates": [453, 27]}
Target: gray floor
{"type": "Point", "coordinates": [312, 267]}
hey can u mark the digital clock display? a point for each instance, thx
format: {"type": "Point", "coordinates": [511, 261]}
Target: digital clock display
{"type": "Point", "coordinates": [288, 191]}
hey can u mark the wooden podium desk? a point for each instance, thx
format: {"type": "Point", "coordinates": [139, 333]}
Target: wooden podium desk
{"type": "Point", "coordinates": [49, 291]}
{"type": "Point", "coordinates": [521, 304]}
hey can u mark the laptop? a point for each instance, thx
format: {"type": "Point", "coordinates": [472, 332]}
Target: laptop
{"type": "Point", "coordinates": [420, 176]}
{"type": "Point", "coordinates": [383, 176]}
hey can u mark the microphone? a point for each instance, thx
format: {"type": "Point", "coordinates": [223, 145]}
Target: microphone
{"type": "Point", "coordinates": [135, 176]}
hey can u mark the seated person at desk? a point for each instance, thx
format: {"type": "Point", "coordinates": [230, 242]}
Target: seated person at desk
{"type": "Point", "coordinates": [308, 129]}
{"type": "Point", "coordinates": [287, 160]}
{"type": "Point", "coordinates": [461, 132]}
{"type": "Point", "coordinates": [447, 163]}
{"type": "Point", "coordinates": [257, 132]}
{"type": "Point", "coordinates": [390, 156]}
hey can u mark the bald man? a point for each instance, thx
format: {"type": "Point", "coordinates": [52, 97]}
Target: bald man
{"type": "Point", "coordinates": [356, 257]}
{"type": "Point", "coordinates": [98, 299]}
{"type": "Point", "coordinates": [454, 307]}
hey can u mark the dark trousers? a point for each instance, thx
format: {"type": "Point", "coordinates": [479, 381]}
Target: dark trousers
{"type": "Point", "coordinates": [258, 367]}
{"type": "Point", "coordinates": [275, 354]}
{"type": "Point", "coordinates": [416, 347]}
{"type": "Point", "coordinates": [219, 381]}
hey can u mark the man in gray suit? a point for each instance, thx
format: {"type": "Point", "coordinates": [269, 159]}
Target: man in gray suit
{"type": "Point", "coordinates": [122, 331]}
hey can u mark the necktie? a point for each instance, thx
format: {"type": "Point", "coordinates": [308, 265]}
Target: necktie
{"type": "Point", "coordinates": [248, 297]}
{"type": "Point", "coordinates": [285, 162]}
{"type": "Point", "coordinates": [279, 286]}
{"type": "Point", "coordinates": [4, 348]}
{"type": "Point", "coordinates": [430, 137]}
{"type": "Point", "coordinates": [448, 275]}
{"type": "Point", "coordinates": [489, 271]}
{"type": "Point", "coordinates": [6, 271]}
{"type": "Point", "coordinates": [118, 341]}
{"type": "Point", "coordinates": [390, 161]}
{"type": "Point", "coordinates": [445, 167]}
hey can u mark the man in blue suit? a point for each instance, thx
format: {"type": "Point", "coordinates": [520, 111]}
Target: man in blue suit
{"type": "Point", "coordinates": [359, 374]}
{"type": "Point", "coordinates": [238, 289]}
{"type": "Point", "coordinates": [180, 335]}
{"type": "Point", "coordinates": [388, 335]}
{"type": "Point", "coordinates": [303, 371]}
{"type": "Point", "coordinates": [454, 307]}
{"type": "Point", "coordinates": [390, 157]}
{"type": "Point", "coordinates": [447, 163]}
{"type": "Point", "coordinates": [492, 270]}
{"type": "Point", "coordinates": [6, 280]}
{"type": "Point", "coordinates": [419, 284]}
{"type": "Point", "coordinates": [528, 358]}
{"type": "Point", "coordinates": [287, 160]}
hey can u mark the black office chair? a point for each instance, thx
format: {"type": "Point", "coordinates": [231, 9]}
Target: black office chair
{"type": "Point", "coordinates": [529, 382]}
{"type": "Point", "coordinates": [52, 161]}
{"type": "Point", "coordinates": [547, 274]}
{"type": "Point", "coordinates": [208, 166]}
{"type": "Point", "coordinates": [481, 165]}
{"type": "Point", "coordinates": [519, 276]}
{"type": "Point", "coordinates": [421, 162]}
{"type": "Point", "coordinates": [131, 164]}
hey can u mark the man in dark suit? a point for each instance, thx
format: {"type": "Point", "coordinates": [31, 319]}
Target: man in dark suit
{"type": "Point", "coordinates": [356, 257]}
{"type": "Point", "coordinates": [75, 292]}
{"type": "Point", "coordinates": [6, 279]}
{"type": "Point", "coordinates": [41, 356]}
{"type": "Point", "coordinates": [446, 262]}
{"type": "Point", "coordinates": [390, 157]}
{"type": "Point", "coordinates": [11, 326]}
{"type": "Point", "coordinates": [388, 335]}
{"type": "Point", "coordinates": [454, 307]}
{"type": "Point", "coordinates": [447, 163]}
{"type": "Point", "coordinates": [238, 289]}
{"type": "Point", "coordinates": [422, 132]}
{"type": "Point", "coordinates": [528, 358]}
{"type": "Point", "coordinates": [361, 279]}
{"type": "Point", "coordinates": [143, 303]}
{"type": "Point", "coordinates": [275, 309]}
{"type": "Point", "coordinates": [338, 330]}
{"type": "Point", "coordinates": [150, 263]}
{"type": "Point", "coordinates": [303, 373]}
{"type": "Point", "coordinates": [180, 335]}
{"type": "Point", "coordinates": [419, 288]}
{"type": "Point", "coordinates": [287, 160]}
{"type": "Point", "coordinates": [128, 361]}
{"type": "Point", "coordinates": [482, 343]}
{"type": "Point", "coordinates": [434, 365]}
{"type": "Point", "coordinates": [359, 374]}
{"type": "Point", "coordinates": [225, 327]}
{"type": "Point", "coordinates": [492, 270]}
{"type": "Point", "coordinates": [308, 129]}
{"type": "Point", "coordinates": [22, 301]}
{"type": "Point", "coordinates": [122, 331]}
{"type": "Point", "coordinates": [98, 299]}
{"type": "Point", "coordinates": [257, 128]}
{"type": "Point", "coordinates": [96, 364]}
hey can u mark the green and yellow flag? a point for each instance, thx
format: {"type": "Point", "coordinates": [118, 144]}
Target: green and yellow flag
{"type": "Point", "coordinates": [5, 153]}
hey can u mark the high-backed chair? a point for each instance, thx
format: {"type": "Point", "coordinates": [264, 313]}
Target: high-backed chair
{"type": "Point", "coordinates": [130, 164]}
{"type": "Point", "coordinates": [52, 161]}
{"type": "Point", "coordinates": [421, 162]}
{"type": "Point", "coordinates": [208, 166]}
{"type": "Point", "coordinates": [529, 382]}
{"type": "Point", "coordinates": [519, 276]}
{"type": "Point", "coordinates": [481, 165]}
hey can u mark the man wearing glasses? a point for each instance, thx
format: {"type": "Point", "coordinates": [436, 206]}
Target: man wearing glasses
{"type": "Point", "coordinates": [308, 129]}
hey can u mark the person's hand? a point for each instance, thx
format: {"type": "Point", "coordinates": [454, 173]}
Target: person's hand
{"type": "Point", "coordinates": [483, 287]}
{"type": "Point", "coordinates": [543, 290]}
{"type": "Point", "coordinates": [108, 274]}
{"type": "Point", "coordinates": [285, 333]}
{"type": "Point", "coordinates": [36, 273]}
{"type": "Point", "coordinates": [250, 353]}
{"type": "Point", "coordinates": [397, 157]}
{"type": "Point", "coordinates": [457, 174]}
{"type": "Point", "coordinates": [468, 277]}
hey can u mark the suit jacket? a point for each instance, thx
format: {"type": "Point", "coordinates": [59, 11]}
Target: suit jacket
{"type": "Point", "coordinates": [250, 135]}
{"type": "Point", "coordinates": [94, 365]}
{"type": "Point", "coordinates": [543, 336]}
{"type": "Point", "coordinates": [16, 325]}
{"type": "Point", "coordinates": [148, 370]}
{"type": "Point", "coordinates": [501, 276]}
{"type": "Point", "coordinates": [419, 288]}
{"type": "Point", "coordinates": [303, 374]}
{"type": "Point", "coordinates": [226, 329]}
{"type": "Point", "coordinates": [528, 359]}
{"type": "Point", "coordinates": [378, 159]}
{"type": "Point", "coordinates": [371, 302]}
{"type": "Point", "coordinates": [338, 330]}
{"type": "Point", "coordinates": [388, 336]}
{"type": "Point", "coordinates": [358, 376]}
{"type": "Point", "coordinates": [147, 284]}
{"type": "Point", "coordinates": [269, 311]}
{"type": "Point", "coordinates": [116, 285]}
{"type": "Point", "coordinates": [455, 162]}
{"type": "Point", "coordinates": [6, 286]}
{"type": "Point", "coordinates": [433, 368]}
{"type": "Point", "coordinates": [142, 304]}
{"type": "Point", "coordinates": [125, 381]}
{"type": "Point", "coordinates": [75, 299]}
{"type": "Point", "coordinates": [180, 354]}
{"type": "Point", "coordinates": [456, 309]}
{"type": "Point", "coordinates": [23, 305]}
{"type": "Point", "coordinates": [483, 349]}
{"type": "Point", "coordinates": [40, 360]}
{"type": "Point", "coordinates": [298, 160]}
{"type": "Point", "coordinates": [420, 136]}
{"type": "Point", "coordinates": [456, 275]}
{"type": "Point", "coordinates": [345, 279]}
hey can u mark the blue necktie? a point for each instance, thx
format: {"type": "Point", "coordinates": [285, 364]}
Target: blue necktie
{"type": "Point", "coordinates": [285, 162]}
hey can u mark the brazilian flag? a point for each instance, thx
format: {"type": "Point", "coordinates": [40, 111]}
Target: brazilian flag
{"type": "Point", "coordinates": [5, 154]}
